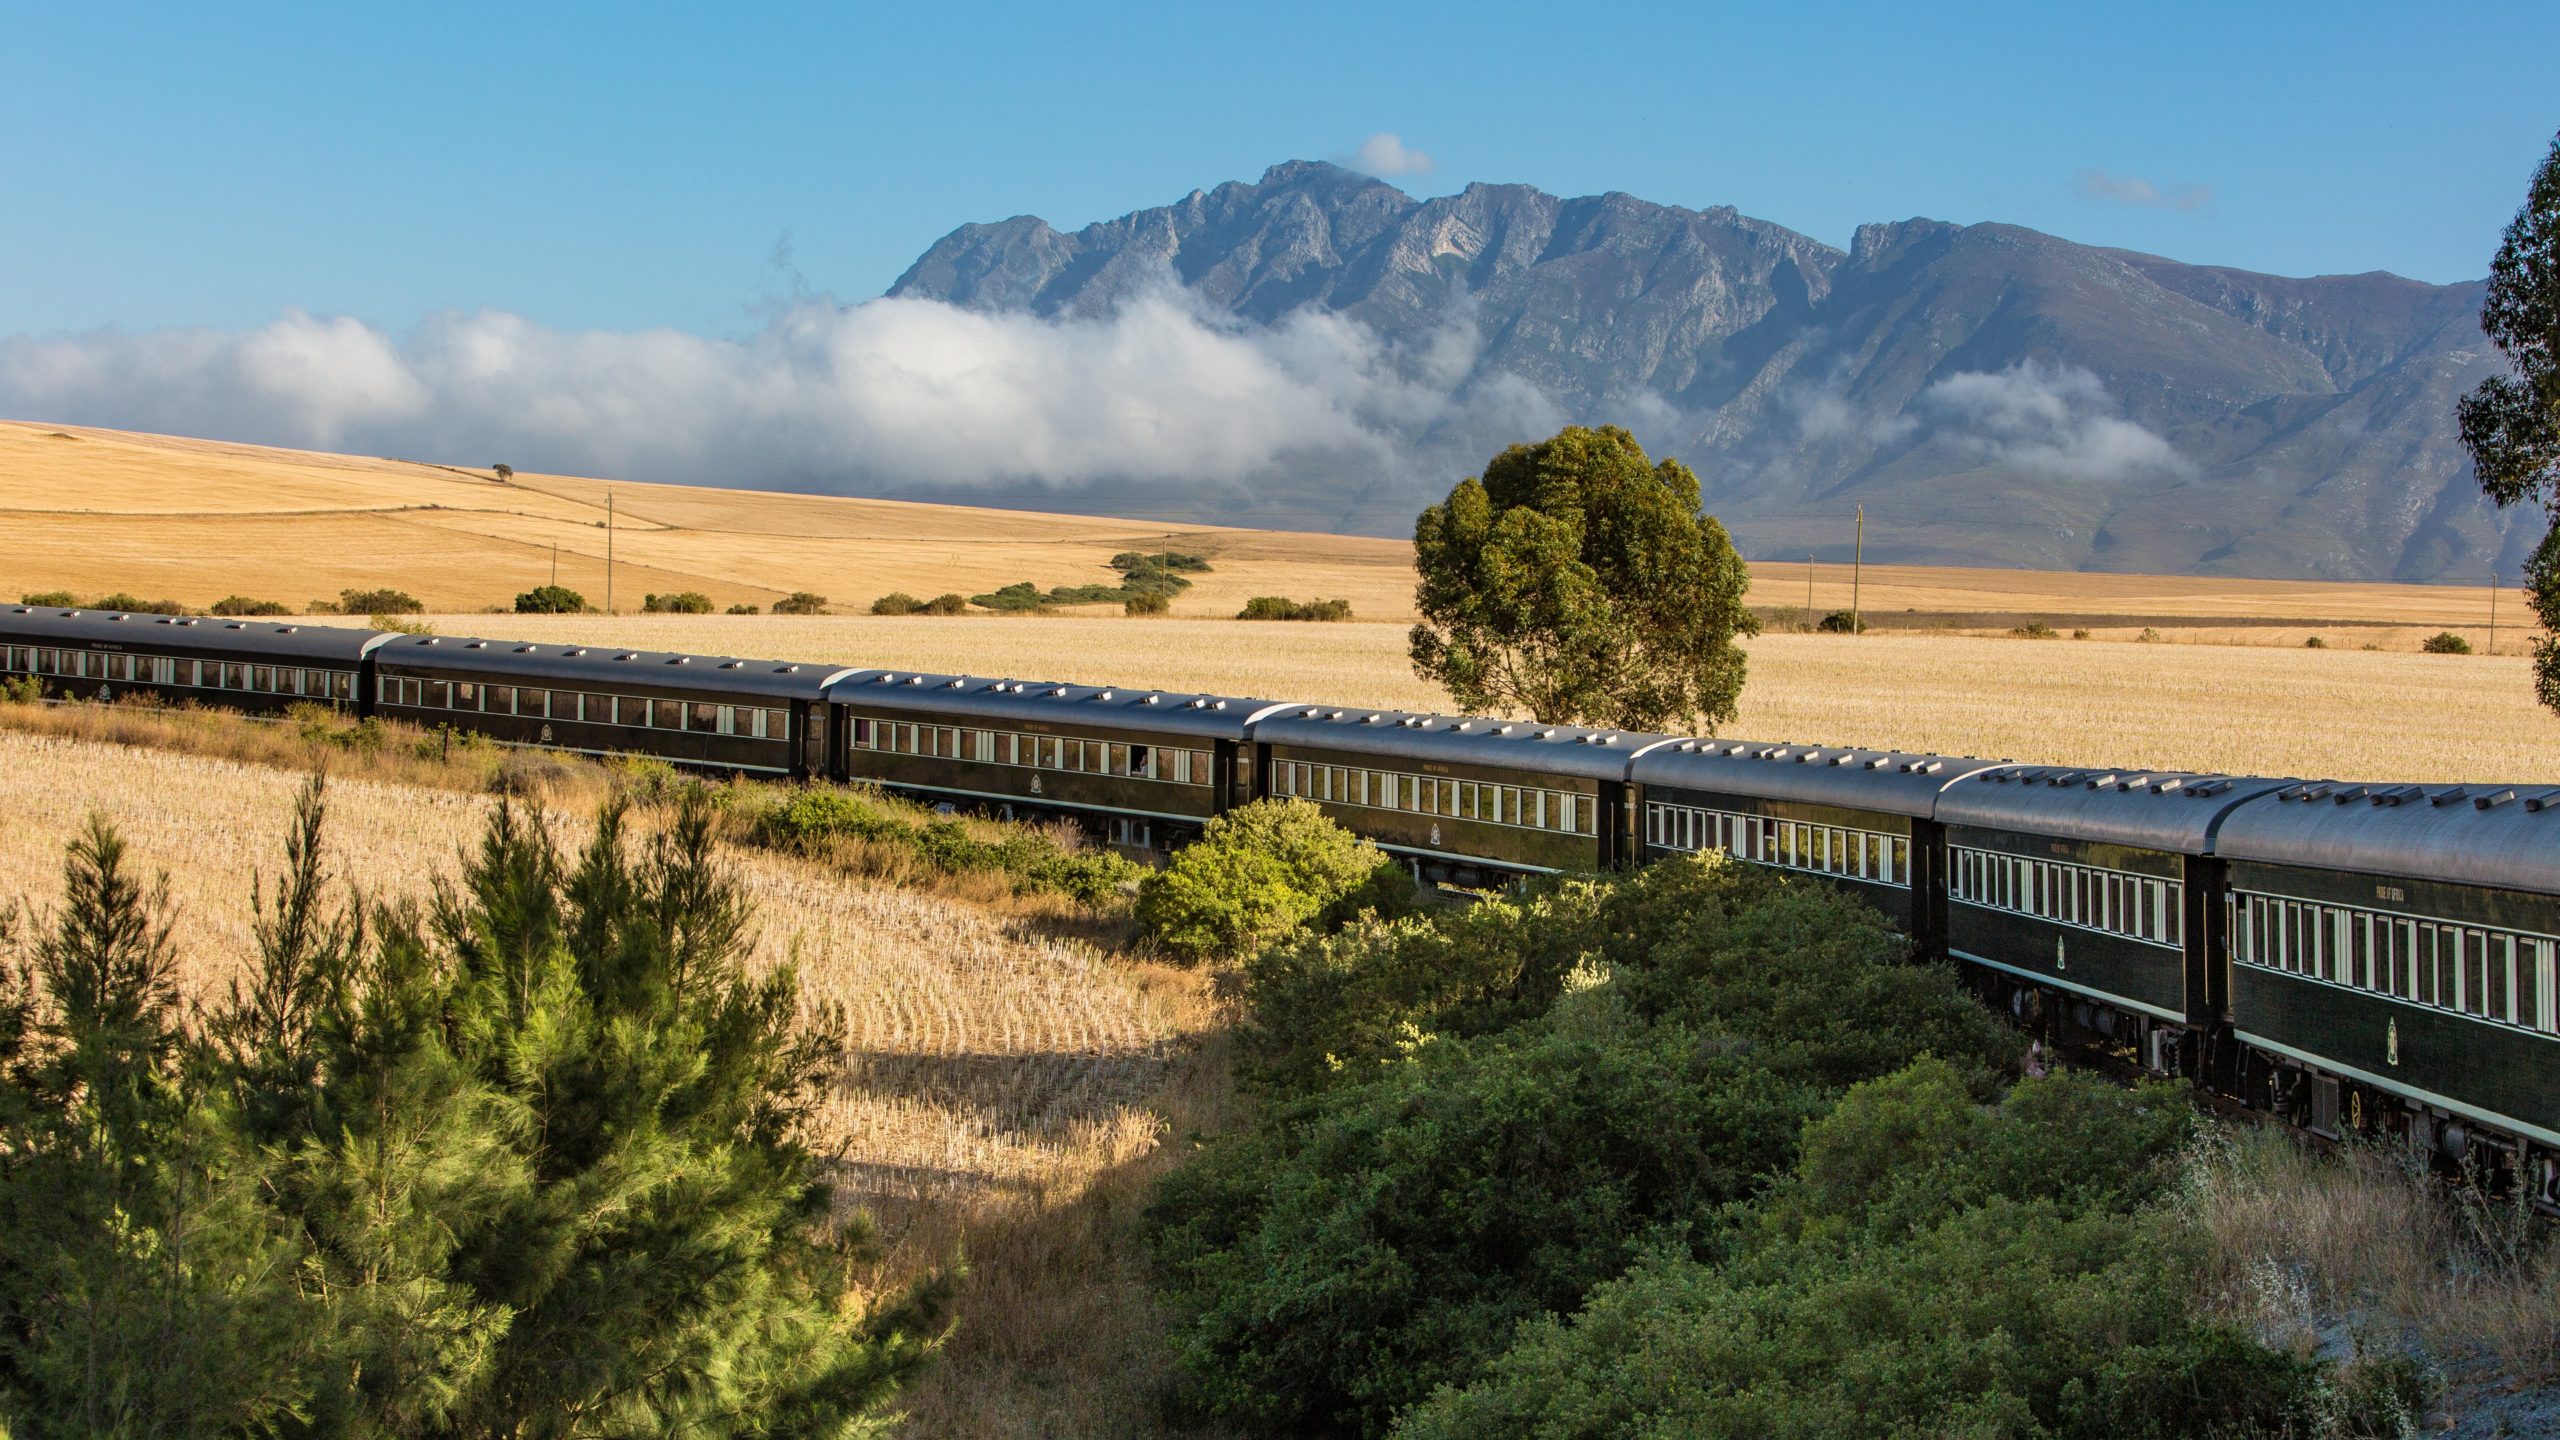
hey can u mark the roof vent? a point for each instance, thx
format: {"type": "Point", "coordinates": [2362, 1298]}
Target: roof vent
{"type": "Point", "coordinates": [1547, 734]}
{"type": "Point", "coordinates": [885, 677]}
{"type": "Point", "coordinates": [1737, 749]}
{"type": "Point", "coordinates": [790, 669]}
{"type": "Point", "coordinates": [524, 649]}
{"type": "Point", "coordinates": [2543, 801]}
{"type": "Point", "coordinates": [1881, 761]}
{"type": "Point", "coordinates": [733, 664]}
{"type": "Point", "coordinates": [1102, 694]}
{"type": "Point", "coordinates": [426, 640]}
{"type": "Point", "coordinates": [119, 617]}
{"type": "Point", "coordinates": [1198, 702]}
{"type": "Point", "coordinates": [1217, 704]}
{"type": "Point", "coordinates": [2101, 782]}
{"type": "Point", "coordinates": [2351, 792]}
{"type": "Point", "coordinates": [2493, 800]}
{"type": "Point", "coordinates": [234, 625]}
{"type": "Point", "coordinates": [2165, 786]}
{"type": "Point", "coordinates": [915, 679]}
{"type": "Point", "coordinates": [956, 683]}
{"type": "Point", "coordinates": [575, 650]}
{"type": "Point", "coordinates": [1152, 700]}
{"type": "Point", "coordinates": [1336, 715]}
{"type": "Point", "coordinates": [1057, 691]}
{"type": "Point", "coordinates": [679, 659]}
{"type": "Point", "coordinates": [476, 645]}
{"type": "Point", "coordinates": [2447, 797]}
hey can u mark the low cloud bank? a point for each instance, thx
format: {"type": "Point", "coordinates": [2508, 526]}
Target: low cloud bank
{"type": "Point", "coordinates": [2051, 420]}
{"type": "Point", "coordinates": [889, 394]}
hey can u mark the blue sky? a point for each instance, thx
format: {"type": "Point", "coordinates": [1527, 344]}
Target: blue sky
{"type": "Point", "coordinates": [626, 167]}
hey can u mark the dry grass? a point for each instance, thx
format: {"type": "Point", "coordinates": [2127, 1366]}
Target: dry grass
{"type": "Point", "coordinates": [92, 510]}
{"type": "Point", "coordinates": [2335, 712]}
{"type": "Point", "coordinates": [2305, 1246]}
{"type": "Point", "coordinates": [1007, 1093]}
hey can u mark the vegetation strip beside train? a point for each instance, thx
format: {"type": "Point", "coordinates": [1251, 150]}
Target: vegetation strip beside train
{"type": "Point", "coordinates": [2370, 958]}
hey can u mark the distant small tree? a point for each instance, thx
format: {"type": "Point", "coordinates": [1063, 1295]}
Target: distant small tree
{"type": "Point", "coordinates": [243, 605]}
{"type": "Point", "coordinates": [2445, 642]}
{"type": "Point", "coordinates": [504, 473]}
{"type": "Point", "coordinates": [683, 602]}
{"type": "Point", "coordinates": [50, 599]}
{"type": "Point", "coordinates": [2511, 424]}
{"type": "Point", "coordinates": [1842, 622]}
{"type": "Point", "coordinates": [379, 602]}
{"type": "Point", "coordinates": [949, 602]}
{"type": "Point", "coordinates": [551, 600]}
{"type": "Point", "coordinates": [801, 602]}
{"type": "Point", "coordinates": [1147, 604]}
{"type": "Point", "coordinates": [746, 609]}
{"type": "Point", "coordinates": [896, 602]}
{"type": "Point", "coordinates": [1578, 580]}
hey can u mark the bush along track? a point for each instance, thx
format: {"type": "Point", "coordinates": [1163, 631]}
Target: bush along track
{"type": "Point", "coordinates": [1694, 1151]}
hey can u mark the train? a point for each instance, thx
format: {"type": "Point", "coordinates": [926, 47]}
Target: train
{"type": "Point", "coordinates": [2358, 959]}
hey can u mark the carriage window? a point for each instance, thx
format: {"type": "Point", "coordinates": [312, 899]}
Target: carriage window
{"type": "Point", "coordinates": [666, 714]}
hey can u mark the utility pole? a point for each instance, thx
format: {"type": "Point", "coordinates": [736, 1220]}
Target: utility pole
{"type": "Point", "coordinates": [1808, 592]}
{"type": "Point", "coordinates": [2493, 612]}
{"type": "Point", "coordinates": [608, 552]}
{"type": "Point", "coordinates": [1857, 571]}
{"type": "Point", "coordinates": [555, 564]}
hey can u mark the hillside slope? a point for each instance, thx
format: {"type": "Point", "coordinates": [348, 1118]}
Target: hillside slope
{"type": "Point", "coordinates": [1992, 395]}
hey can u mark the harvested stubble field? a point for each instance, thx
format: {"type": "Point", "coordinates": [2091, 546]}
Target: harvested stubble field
{"type": "Point", "coordinates": [2341, 713]}
{"type": "Point", "coordinates": [1005, 1093]}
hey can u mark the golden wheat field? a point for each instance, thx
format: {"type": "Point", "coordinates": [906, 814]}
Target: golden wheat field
{"type": "Point", "coordinates": [2334, 712]}
{"type": "Point", "coordinates": [94, 511]}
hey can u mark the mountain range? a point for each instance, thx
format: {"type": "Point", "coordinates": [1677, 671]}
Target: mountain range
{"type": "Point", "coordinates": [1989, 394]}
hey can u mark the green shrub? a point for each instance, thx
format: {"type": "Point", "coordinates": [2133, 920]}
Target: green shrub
{"type": "Point", "coordinates": [2080, 634]}
{"type": "Point", "coordinates": [746, 609]}
{"type": "Point", "coordinates": [51, 600]}
{"type": "Point", "coordinates": [1019, 598]}
{"type": "Point", "coordinates": [243, 605]}
{"type": "Point", "coordinates": [809, 818]}
{"type": "Point", "coordinates": [400, 625]}
{"type": "Point", "coordinates": [1281, 607]}
{"type": "Point", "coordinates": [2034, 630]}
{"type": "Point", "coordinates": [949, 602]}
{"type": "Point", "coordinates": [801, 602]}
{"type": "Point", "coordinates": [1842, 622]}
{"type": "Point", "coordinates": [1256, 874]}
{"type": "Point", "coordinates": [1467, 1132]}
{"type": "Point", "coordinates": [1139, 562]}
{"type": "Point", "coordinates": [379, 602]}
{"type": "Point", "coordinates": [2147, 636]}
{"type": "Point", "coordinates": [896, 602]}
{"type": "Point", "coordinates": [683, 602]}
{"type": "Point", "coordinates": [135, 604]}
{"type": "Point", "coordinates": [1147, 605]}
{"type": "Point", "coordinates": [551, 600]}
{"type": "Point", "coordinates": [2314, 642]}
{"type": "Point", "coordinates": [321, 607]}
{"type": "Point", "coordinates": [21, 690]}
{"type": "Point", "coordinates": [2445, 642]}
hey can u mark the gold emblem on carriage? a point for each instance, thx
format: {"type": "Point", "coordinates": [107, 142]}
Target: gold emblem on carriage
{"type": "Point", "coordinates": [1435, 834]}
{"type": "Point", "coordinates": [2391, 1041]}
{"type": "Point", "coordinates": [546, 734]}
{"type": "Point", "coordinates": [2061, 954]}
{"type": "Point", "coordinates": [1035, 784]}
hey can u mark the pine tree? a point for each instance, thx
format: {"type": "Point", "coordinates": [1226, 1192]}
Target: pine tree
{"type": "Point", "coordinates": [143, 1287]}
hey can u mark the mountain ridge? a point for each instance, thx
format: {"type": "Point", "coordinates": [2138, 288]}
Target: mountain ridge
{"type": "Point", "coordinates": [1991, 393]}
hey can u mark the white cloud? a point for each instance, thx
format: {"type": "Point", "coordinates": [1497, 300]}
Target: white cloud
{"type": "Point", "coordinates": [886, 395]}
{"type": "Point", "coordinates": [1386, 156]}
{"type": "Point", "coordinates": [2054, 420]}
{"type": "Point", "coordinates": [2136, 191]}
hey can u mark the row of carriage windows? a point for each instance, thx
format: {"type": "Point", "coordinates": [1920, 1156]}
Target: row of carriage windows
{"type": "Point", "coordinates": [1835, 850]}
{"type": "Point", "coordinates": [2116, 902]}
{"type": "Point", "coordinates": [639, 712]}
{"type": "Point", "coordinates": [1482, 801]}
{"type": "Point", "coordinates": [115, 667]}
{"type": "Point", "coordinates": [2489, 974]}
{"type": "Point", "coordinates": [1036, 752]}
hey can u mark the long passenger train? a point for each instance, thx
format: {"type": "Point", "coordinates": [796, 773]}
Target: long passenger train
{"type": "Point", "coordinates": [2358, 959]}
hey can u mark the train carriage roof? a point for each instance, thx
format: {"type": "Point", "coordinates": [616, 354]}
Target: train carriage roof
{"type": "Point", "coordinates": [141, 632]}
{"type": "Point", "coordinates": [2504, 836]}
{"type": "Point", "coordinates": [1885, 781]}
{"type": "Point", "coordinates": [609, 667]}
{"type": "Point", "coordinates": [981, 699]}
{"type": "Point", "coordinates": [2169, 810]}
{"type": "Point", "coordinates": [1456, 740]}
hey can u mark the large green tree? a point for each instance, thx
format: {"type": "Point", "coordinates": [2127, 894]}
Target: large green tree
{"type": "Point", "coordinates": [2512, 422]}
{"type": "Point", "coordinates": [1577, 580]}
